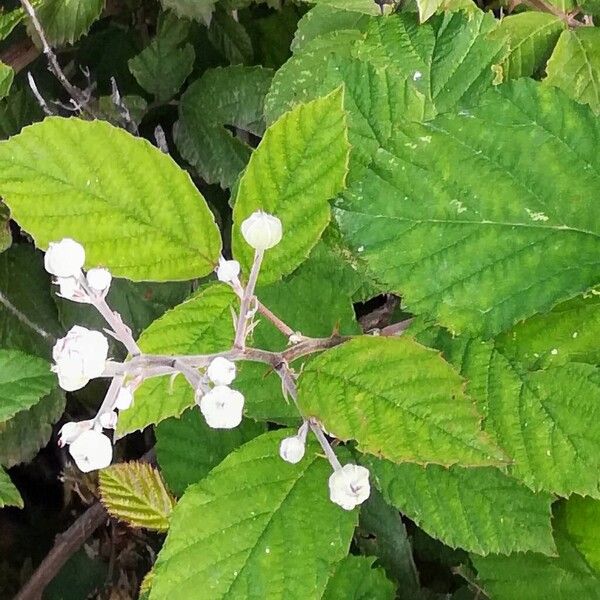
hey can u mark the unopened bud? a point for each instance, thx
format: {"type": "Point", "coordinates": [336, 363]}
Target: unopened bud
{"type": "Point", "coordinates": [262, 230]}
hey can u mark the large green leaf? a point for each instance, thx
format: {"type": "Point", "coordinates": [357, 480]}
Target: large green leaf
{"type": "Point", "coordinates": [532, 37]}
{"type": "Point", "coordinates": [538, 577]}
{"type": "Point", "coordinates": [230, 38]}
{"type": "Point", "coordinates": [187, 448]}
{"type": "Point", "coordinates": [298, 167]}
{"type": "Point", "coordinates": [283, 540]}
{"type": "Point", "coordinates": [480, 510]}
{"type": "Point", "coordinates": [24, 379]}
{"type": "Point", "coordinates": [574, 65]}
{"type": "Point", "coordinates": [9, 494]}
{"type": "Point", "coordinates": [454, 215]}
{"type": "Point", "coordinates": [355, 579]}
{"type": "Point", "coordinates": [65, 21]}
{"type": "Point", "coordinates": [207, 107]}
{"type": "Point", "coordinates": [200, 325]}
{"type": "Point", "coordinates": [29, 430]}
{"type": "Point", "coordinates": [398, 399]}
{"type": "Point", "coordinates": [135, 211]}
{"type": "Point", "coordinates": [135, 493]}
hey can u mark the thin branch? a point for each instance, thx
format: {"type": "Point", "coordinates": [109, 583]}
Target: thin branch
{"type": "Point", "coordinates": [38, 96]}
{"type": "Point", "coordinates": [25, 319]}
{"type": "Point", "coordinates": [275, 320]}
{"type": "Point", "coordinates": [242, 323]}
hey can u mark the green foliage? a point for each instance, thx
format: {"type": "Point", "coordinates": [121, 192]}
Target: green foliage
{"type": "Point", "coordinates": [6, 79]}
{"type": "Point", "coordinates": [202, 324]}
{"type": "Point", "coordinates": [135, 493]}
{"type": "Point", "coordinates": [9, 494]}
{"type": "Point", "coordinates": [574, 66]}
{"type": "Point", "coordinates": [300, 164]}
{"type": "Point", "coordinates": [230, 38]}
{"type": "Point", "coordinates": [207, 107]}
{"type": "Point", "coordinates": [9, 20]}
{"type": "Point", "coordinates": [232, 549]}
{"type": "Point", "coordinates": [360, 6]}
{"type": "Point", "coordinates": [481, 510]}
{"type": "Point", "coordinates": [187, 448]}
{"type": "Point", "coordinates": [398, 400]}
{"type": "Point", "coordinates": [5, 235]}
{"type": "Point", "coordinates": [199, 10]}
{"type": "Point", "coordinates": [133, 229]}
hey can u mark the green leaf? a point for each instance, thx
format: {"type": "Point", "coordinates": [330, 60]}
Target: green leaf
{"type": "Point", "coordinates": [9, 494]}
{"type": "Point", "coordinates": [198, 10]}
{"type": "Point", "coordinates": [450, 59]}
{"type": "Point", "coordinates": [207, 107]}
{"type": "Point", "coordinates": [134, 210]}
{"type": "Point", "coordinates": [134, 492]}
{"type": "Point", "coordinates": [367, 7]}
{"type": "Point", "coordinates": [24, 379]}
{"type": "Point", "coordinates": [283, 539]}
{"type": "Point", "coordinates": [9, 20]}
{"type": "Point", "coordinates": [428, 8]}
{"type": "Point", "coordinates": [574, 66]}
{"type": "Point", "coordinates": [187, 448]}
{"type": "Point", "coordinates": [299, 165]}
{"type": "Point", "coordinates": [398, 400]}
{"type": "Point", "coordinates": [65, 21]}
{"type": "Point", "coordinates": [448, 216]}
{"type": "Point", "coordinates": [5, 234]}
{"type": "Point", "coordinates": [163, 66]}
{"type": "Point", "coordinates": [200, 325]}
{"type": "Point", "coordinates": [532, 36]}
{"type": "Point", "coordinates": [28, 316]}
{"type": "Point", "coordinates": [355, 579]}
{"type": "Point", "coordinates": [230, 38]}
{"type": "Point", "coordinates": [480, 510]}
{"type": "Point", "coordinates": [545, 421]}
{"type": "Point", "coordinates": [17, 110]}
{"type": "Point", "coordinates": [539, 577]}
{"type": "Point", "coordinates": [29, 430]}
{"type": "Point", "coordinates": [7, 75]}
{"type": "Point", "coordinates": [582, 520]}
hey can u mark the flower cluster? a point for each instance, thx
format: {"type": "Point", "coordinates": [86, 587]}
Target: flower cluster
{"type": "Point", "coordinates": [83, 355]}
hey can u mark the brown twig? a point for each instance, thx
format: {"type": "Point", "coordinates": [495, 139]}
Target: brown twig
{"type": "Point", "coordinates": [19, 55]}
{"type": "Point", "coordinates": [543, 6]}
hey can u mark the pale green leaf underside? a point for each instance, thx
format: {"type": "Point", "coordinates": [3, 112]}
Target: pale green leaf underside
{"type": "Point", "coordinates": [24, 380]}
{"type": "Point", "coordinates": [9, 494]}
{"type": "Point", "coordinates": [355, 579]}
{"type": "Point", "coordinates": [532, 36]}
{"type": "Point", "coordinates": [300, 164]}
{"type": "Point", "coordinates": [134, 492]}
{"type": "Point", "coordinates": [207, 106]}
{"type": "Point", "coordinates": [187, 448]}
{"type": "Point", "coordinates": [537, 577]}
{"type": "Point", "coordinates": [282, 541]}
{"type": "Point", "coordinates": [574, 66]}
{"type": "Point", "coordinates": [481, 510]}
{"type": "Point", "coordinates": [454, 215]}
{"type": "Point", "coordinates": [133, 209]}
{"type": "Point", "coordinates": [200, 325]}
{"type": "Point", "coordinates": [399, 400]}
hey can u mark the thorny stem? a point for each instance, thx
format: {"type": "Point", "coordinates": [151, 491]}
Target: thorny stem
{"type": "Point", "coordinates": [329, 453]}
{"type": "Point", "coordinates": [110, 398]}
{"type": "Point", "coordinates": [242, 322]}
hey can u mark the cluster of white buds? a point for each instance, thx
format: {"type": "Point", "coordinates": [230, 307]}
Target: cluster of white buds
{"type": "Point", "coordinates": [349, 486]}
{"type": "Point", "coordinates": [78, 357]}
{"type": "Point", "coordinates": [65, 260]}
{"type": "Point", "coordinates": [221, 406]}
{"type": "Point", "coordinates": [89, 447]}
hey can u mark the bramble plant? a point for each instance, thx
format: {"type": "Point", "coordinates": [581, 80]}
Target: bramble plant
{"type": "Point", "coordinates": [302, 299]}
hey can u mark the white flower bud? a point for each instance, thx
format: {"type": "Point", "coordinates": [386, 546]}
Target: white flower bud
{"type": "Point", "coordinates": [99, 280]}
{"type": "Point", "coordinates": [69, 432]}
{"type": "Point", "coordinates": [79, 356]}
{"type": "Point", "coordinates": [221, 371]}
{"type": "Point", "coordinates": [92, 450]}
{"type": "Point", "coordinates": [261, 230]}
{"type": "Point", "coordinates": [108, 420]}
{"type": "Point", "coordinates": [222, 407]}
{"type": "Point", "coordinates": [349, 486]}
{"type": "Point", "coordinates": [124, 399]}
{"type": "Point", "coordinates": [65, 258]}
{"type": "Point", "coordinates": [292, 449]}
{"type": "Point", "coordinates": [228, 270]}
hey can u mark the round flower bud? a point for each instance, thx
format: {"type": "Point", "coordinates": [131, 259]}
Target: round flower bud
{"type": "Point", "coordinates": [292, 449]}
{"type": "Point", "coordinates": [108, 420]}
{"type": "Point", "coordinates": [69, 432]}
{"type": "Point", "coordinates": [92, 450]}
{"type": "Point", "coordinates": [99, 280]}
{"type": "Point", "coordinates": [349, 486]}
{"type": "Point", "coordinates": [79, 356]}
{"type": "Point", "coordinates": [124, 399]}
{"type": "Point", "coordinates": [221, 371]}
{"type": "Point", "coordinates": [261, 230]}
{"type": "Point", "coordinates": [65, 258]}
{"type": "Point", "coordinates": [228, 270]}
{"type": "Point", "coordinates": [222, 407]}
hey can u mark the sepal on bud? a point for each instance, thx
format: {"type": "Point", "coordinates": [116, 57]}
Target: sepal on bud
{"type": "Point", "coordinates": [292, 449]}
{"type": "Point", "coordinates": [262, 230]}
